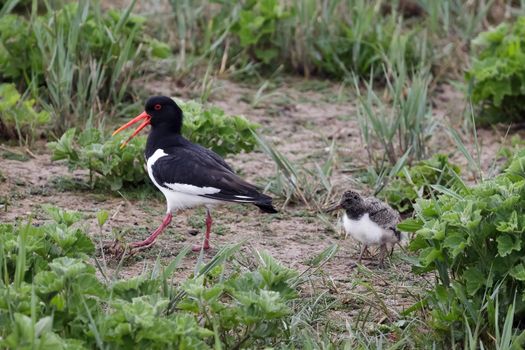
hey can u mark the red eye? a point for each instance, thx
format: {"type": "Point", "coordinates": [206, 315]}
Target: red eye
{"type": "Point", "coordinates": [157, 107]}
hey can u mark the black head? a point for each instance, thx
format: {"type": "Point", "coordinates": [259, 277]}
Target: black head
{"type": "Point", "coordinates": [160, 112]}
{"type": "Point", "coordinates": [350, 200]}
{"type": "Point", "coordinates": [352, 203]}
{"type": "Point", "coordinates": [164, 112]}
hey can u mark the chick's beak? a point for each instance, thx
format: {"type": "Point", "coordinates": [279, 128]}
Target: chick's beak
{"type": "Point", "coordinates": [333, 207]}
{"type": "Point", "coordinates": [146, 121]}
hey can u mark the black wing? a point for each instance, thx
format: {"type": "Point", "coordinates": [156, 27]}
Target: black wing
{"type": "Point", "coordinates": [210, 153]}
{"type": "Point", "coordinates": [200, 167]}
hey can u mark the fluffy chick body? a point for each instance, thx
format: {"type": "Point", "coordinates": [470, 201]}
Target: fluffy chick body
{"type": "Point", "coordinates": [373, 223]}
{"type": "Point", "coordinates": [370, 221]}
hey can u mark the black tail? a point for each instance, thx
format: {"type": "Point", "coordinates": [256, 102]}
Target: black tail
{"type": "Point", "coordinates": [266, 207]}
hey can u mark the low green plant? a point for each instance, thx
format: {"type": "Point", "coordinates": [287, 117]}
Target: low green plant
{"type": "Point", "coordinates": [17, 40]}
{"type": "Point", "coordinates": [211, 127]}
{"type": "Point", "coordinates": [109, 164]}
{"type": "Point", "coordinates": [18, 117]}
{"type": "Point", "coordinates": [420, 181]}
{"type": "Point", "coordinates": [51, 297]}
{"type": "Point", "coordinates": [202, 28]}
{"type": "Point", "coordinates": [506, 335]}
{"type": "Point", "coordinates": [515, 146]}
{"type": "Point", "coordinates": [497, 75]}
{"type": "Point", "coordinates": [257, 28]}
{"type": "Point", "coordinates": [44, 242]}
{"type": "Point", "coordinates": [473, 239]}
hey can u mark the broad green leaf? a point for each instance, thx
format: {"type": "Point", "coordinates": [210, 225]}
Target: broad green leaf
{"type": "Point", "coordinates": [518, 272]}
{"type": "Point", "coordinates": [507, 243]}
{"type": "Point", "coordinates": [456, 242]}
{"type": "Point", "coordinates": [429, 256]}
{"type": "Point", "coordinates": [410, 225]}
{"type": "Point", "coordinates": [474, 280]}
{"type": "Point", "coordinates": [48, 281]}
{"type": "Point", "coordinates": [69, 267]}
{"type": "Point", "coordinates": [159, 49]}
{"type": "Point", "coordinates": [102, 217]}
{"type": "Point", "coordinates": [511, 225]}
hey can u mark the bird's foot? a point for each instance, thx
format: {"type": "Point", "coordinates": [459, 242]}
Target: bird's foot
{"type": "Point", "coordinates": [198, 247]}
{"type": "Point", "coordinates": [142, 245]}
{"type": "Point", "coordinates": [136, 247]}
{"type": "Point", "coordinates": [368, 264]}
{"type": "Point", "coordinates": [384, 263]}
{"type": "Point", "coordinates": [115, 249]}
{"type": "Point", "coordinates": [366, 253]}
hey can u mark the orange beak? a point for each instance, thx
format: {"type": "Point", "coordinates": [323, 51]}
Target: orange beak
{"type": "Point", "coordinates": [143, 116]}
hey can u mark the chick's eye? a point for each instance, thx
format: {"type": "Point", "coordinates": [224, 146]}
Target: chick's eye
{"type": "Point", "coordinates": [157, 107]}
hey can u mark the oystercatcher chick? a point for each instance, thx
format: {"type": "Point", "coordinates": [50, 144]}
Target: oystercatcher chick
{"type": "Point", "coordinates": [370, 221]}
{"type": "Point", "coordinates": [188, 174]}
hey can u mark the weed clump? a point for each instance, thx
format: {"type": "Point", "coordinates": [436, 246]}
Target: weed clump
{"type": "Point", "coordinates": [18, 117]}
{"type": "Point", "coordinates": [77, 60]}
{"type": "Point", "coordinates": [51, 298]}
{"type": "Point", "coordinates": [473, 240]}
{"type": "Point", "coordinates": [333, 39]}
{"type": "Point", "coordinates": [420, 181]}
{"type": "Point", "coordinates": [497, 76]}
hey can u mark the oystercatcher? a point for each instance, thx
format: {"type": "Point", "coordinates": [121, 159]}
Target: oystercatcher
{"type": "Point", "coordinates": [188, 174]}
{"type": "Point", "coordinates": [370, 221]}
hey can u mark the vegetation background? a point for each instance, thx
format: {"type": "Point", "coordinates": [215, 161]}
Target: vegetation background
{"type": "Point", "coordinates": [418, 102]}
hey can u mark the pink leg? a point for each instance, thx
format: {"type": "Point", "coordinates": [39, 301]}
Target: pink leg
{"type": "Point", "coordinates": [206, 243]}
{"type": "Point", "coordinates": [151, 239]}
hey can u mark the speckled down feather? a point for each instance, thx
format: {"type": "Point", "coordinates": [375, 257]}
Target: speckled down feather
{"type": "Point", "coordinates": [381, 213]}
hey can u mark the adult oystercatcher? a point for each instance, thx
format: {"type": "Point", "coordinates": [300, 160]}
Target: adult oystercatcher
{"type": "Point", "coordinates": [188, 174]}
{"type": "Point", "coordinates": [370, 221]}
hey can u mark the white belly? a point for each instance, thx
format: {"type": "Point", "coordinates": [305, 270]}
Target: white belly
{"type": "Point", "coordinates": [178, 200]}
{"type": "Point", "coordinates": [180, 196]}
{"type": "Point", "coordinates": [366, 231]}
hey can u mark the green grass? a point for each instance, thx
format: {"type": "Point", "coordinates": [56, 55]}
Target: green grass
{"type": "Point", "coordinates": [90, 59]}
{"type": "Point", "coordinates": [403, 123]}
{"type": "Point", "coordinates": [326, 38]}
{"type": "Point", "coordinates": [310, 186]}
{"type": "Point", "coordinates": [15, 156]}
{"type": "Point", "coordinates": [51, 295]}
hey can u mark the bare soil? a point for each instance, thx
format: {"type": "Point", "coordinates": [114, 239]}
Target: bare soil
{"type": "Point", "coordinates": [300, 117]}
